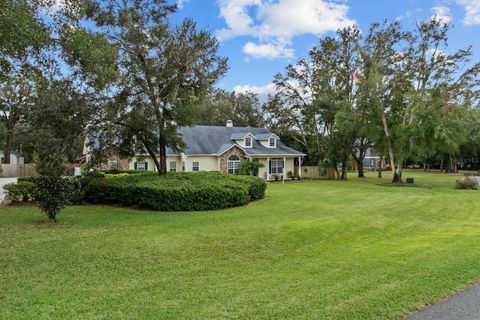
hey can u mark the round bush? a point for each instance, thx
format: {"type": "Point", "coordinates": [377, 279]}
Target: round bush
{"type": "Point", "coordinates": [177, 191]}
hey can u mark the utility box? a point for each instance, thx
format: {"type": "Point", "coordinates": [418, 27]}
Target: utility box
{"type": "Point", "coordinates": [410, 181]}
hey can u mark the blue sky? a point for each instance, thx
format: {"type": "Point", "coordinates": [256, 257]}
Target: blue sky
{"type": "Point", "coordinates": [261, 37]}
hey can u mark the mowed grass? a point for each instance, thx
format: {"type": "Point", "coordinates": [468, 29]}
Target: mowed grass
{"type": "Point", "coordinates": [310, 250]}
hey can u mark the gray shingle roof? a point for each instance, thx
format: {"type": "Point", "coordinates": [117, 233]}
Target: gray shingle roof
{"type": "Point", "coordinates": [207, 140]}
{"type": "Point", "coordinates": [263, 136]}
{"type": "Point", "coordinates": [215, 140]}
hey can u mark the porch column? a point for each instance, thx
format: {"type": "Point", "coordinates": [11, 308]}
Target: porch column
{"type": "Point", "coordinates": [268, 168]}
{"type": "Point", "coordinates": [300, 167]}
{"type": "Point", "coordinates": [283, 170]}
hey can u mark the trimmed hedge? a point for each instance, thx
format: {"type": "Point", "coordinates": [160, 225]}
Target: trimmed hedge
{"type": "Point", "coordinates": [177, 191]}
{"type": "Point", "coordinates": [74, 188]}
{"type": "Point", "coordinates": [21, 191]}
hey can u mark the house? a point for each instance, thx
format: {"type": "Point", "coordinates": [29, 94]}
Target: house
{"type": "Point", "coordinates": [222, 148]}
{"type": "Point", "coordinates": [372, 160]}
{"type": "Point", "coordinates": [15, 158]}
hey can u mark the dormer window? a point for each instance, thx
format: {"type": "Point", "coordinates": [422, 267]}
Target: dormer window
{"type": "Point", "coordinates": [248, 142]}
{"type": "Point", "coordinates": [272, 142]}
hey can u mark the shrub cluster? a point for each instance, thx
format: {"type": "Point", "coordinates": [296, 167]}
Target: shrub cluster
{"type": "Point", "coordinates": [177, 191]}
{"type": "Point", "coordinates": [27, 189]}
{"type": "Point", "coordinates": [21, 191]}
{"type": "Point", "coordinates": [467, 183]}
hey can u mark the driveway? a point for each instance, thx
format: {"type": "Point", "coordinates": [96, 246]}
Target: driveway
{"type": "Point", "coordinates": [4, 181]}
{"type": "Point", "coordinates": [464, 305]}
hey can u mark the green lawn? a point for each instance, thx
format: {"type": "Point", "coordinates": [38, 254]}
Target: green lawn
{"type": "Point", "coordinates": [310, 250]}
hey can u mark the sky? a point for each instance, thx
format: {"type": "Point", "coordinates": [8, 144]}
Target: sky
{"type": "Point", "coordinates": [261, 37]}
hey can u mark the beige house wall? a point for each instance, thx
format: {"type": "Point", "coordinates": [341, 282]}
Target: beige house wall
{"type": "Point", "coordinates": [262, 172]}
{"type": "Point", "coordinates": [207, 163]}
{"type": "Point", "coordinates": [151, 164]}
{"type": "Point", "coordinates": [212, 163]}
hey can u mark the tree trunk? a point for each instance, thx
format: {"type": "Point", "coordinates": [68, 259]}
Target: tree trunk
{"type": "Point", "coordinates": [441, 165]}
{"type": "Point", "coordinates": [344, 171]}
{"type": "Point", "coordinates": [7, 150]}
{"type": "Point", "coordinates": [397, 174]}
{"type": "Point", "coordinates": [359, 160]}
{"type": "Point", "coordinates": [361, 174]}
{"type": "Point", "coordinates": [153, 155]}
{"type": "Point", "coordinates": [380, 168]}
{"type": "Point", "coordinates": [337, 173]}
{"type": "Point", "coordinates": [162, 169]}
{"type": "Point", "coordinates": [455, 165]}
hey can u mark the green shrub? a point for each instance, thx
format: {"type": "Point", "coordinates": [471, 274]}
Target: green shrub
{"type": "Point", "coordinates": [177, 191]}
{"type": "Point", "coordinates": [256, 186]}
{"type": "Point", "coordinates": [248, 167]}
{"type": "Point", "coordinates": [123, 172]}
{"type": "Point", "coordinates": [20, 191]}
{"type": "Point", "coordinates": [467, 183]}
{"type": "Point", "coordinates": [73, 188]}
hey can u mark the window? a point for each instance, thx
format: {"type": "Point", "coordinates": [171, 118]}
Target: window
{"type": "Point", "coordinates": [233, 164]}
{"type": "Point", "coordinates": [272, 142]}
{"type": "Point", "coordinates": [183, 166]}
{"type": "Point", "coordinates": [195, 166]}
{"type": "Point", "coordinates": [173, 166]}
{"type": "Point", "coordinates": [276, 166]}
{"type": "Point", "coordinates": [141, 166]}
{"type": "Point", "coordinates": [112, 163]}
{"type": "Point", "coordinates": [248, 142]}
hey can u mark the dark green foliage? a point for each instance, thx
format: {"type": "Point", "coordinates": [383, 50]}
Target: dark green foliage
{"type": "Point", "coordinates": [242, 108]}
{"type": "Point", "coordinates": [117, 171]}
{"type": "Point", "coordinates": [74, 188]}
{"type": "Point", "coordinates": [249, 167]}
{"type": "Point", "coordinates": [177, 191]}
{"type": "Point", "coordinates": [256, 186]}
{"type": "Point", "coordinates": [21, 191]}
{"type": "Point", "coordinates": [51, 193]}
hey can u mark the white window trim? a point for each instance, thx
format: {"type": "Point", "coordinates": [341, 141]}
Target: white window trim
{"type": "Point", "coordinates": [174, 167]}
{"type": "Point", "coordinates": [274, 142]}
{"type": "Point", "coordinates": [235, 165]}
{"type": "Point", "coordinates": [245, 142]}
{"type": "Point", "coordinates": [196, 166]}
{"type": "Point", "coordinates": [279, 165]}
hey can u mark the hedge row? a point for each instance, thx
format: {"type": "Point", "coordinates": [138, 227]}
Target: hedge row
{"type": "Point", "coordinates": [26, 189]}
{"type": "Point", "coordinates": [177, 191]}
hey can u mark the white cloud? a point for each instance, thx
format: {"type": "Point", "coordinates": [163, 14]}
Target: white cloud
{"type": "Point", "coordinates": [442, 14]}
{"type": "Point", "coordinates": [261, 91]}
{"type": "Point", "coordinates": [472, 11]}
{"type": "Point", "coordinates": [267, 50]}
{"type": "Point", "coordinates": [181, 3]}
{"type": "Point", "coordinates": [276, 23]}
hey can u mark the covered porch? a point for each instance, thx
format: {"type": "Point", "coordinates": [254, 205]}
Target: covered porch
{"type": "Point", "coordinates": [280, 168]}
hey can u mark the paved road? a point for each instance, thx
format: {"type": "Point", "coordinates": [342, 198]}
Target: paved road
{"type": "Point", "coordinates": [4, 181]}
{"type": "Point", "coordinates": [464, 305]}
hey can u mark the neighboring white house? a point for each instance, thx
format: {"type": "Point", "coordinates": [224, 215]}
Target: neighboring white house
{"type": "Point", "coordinates": [15, 158]}
{"type": "Point", "coordinates": [221, 148]}
{"type": "Point", "coordinates": [372, 160]}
